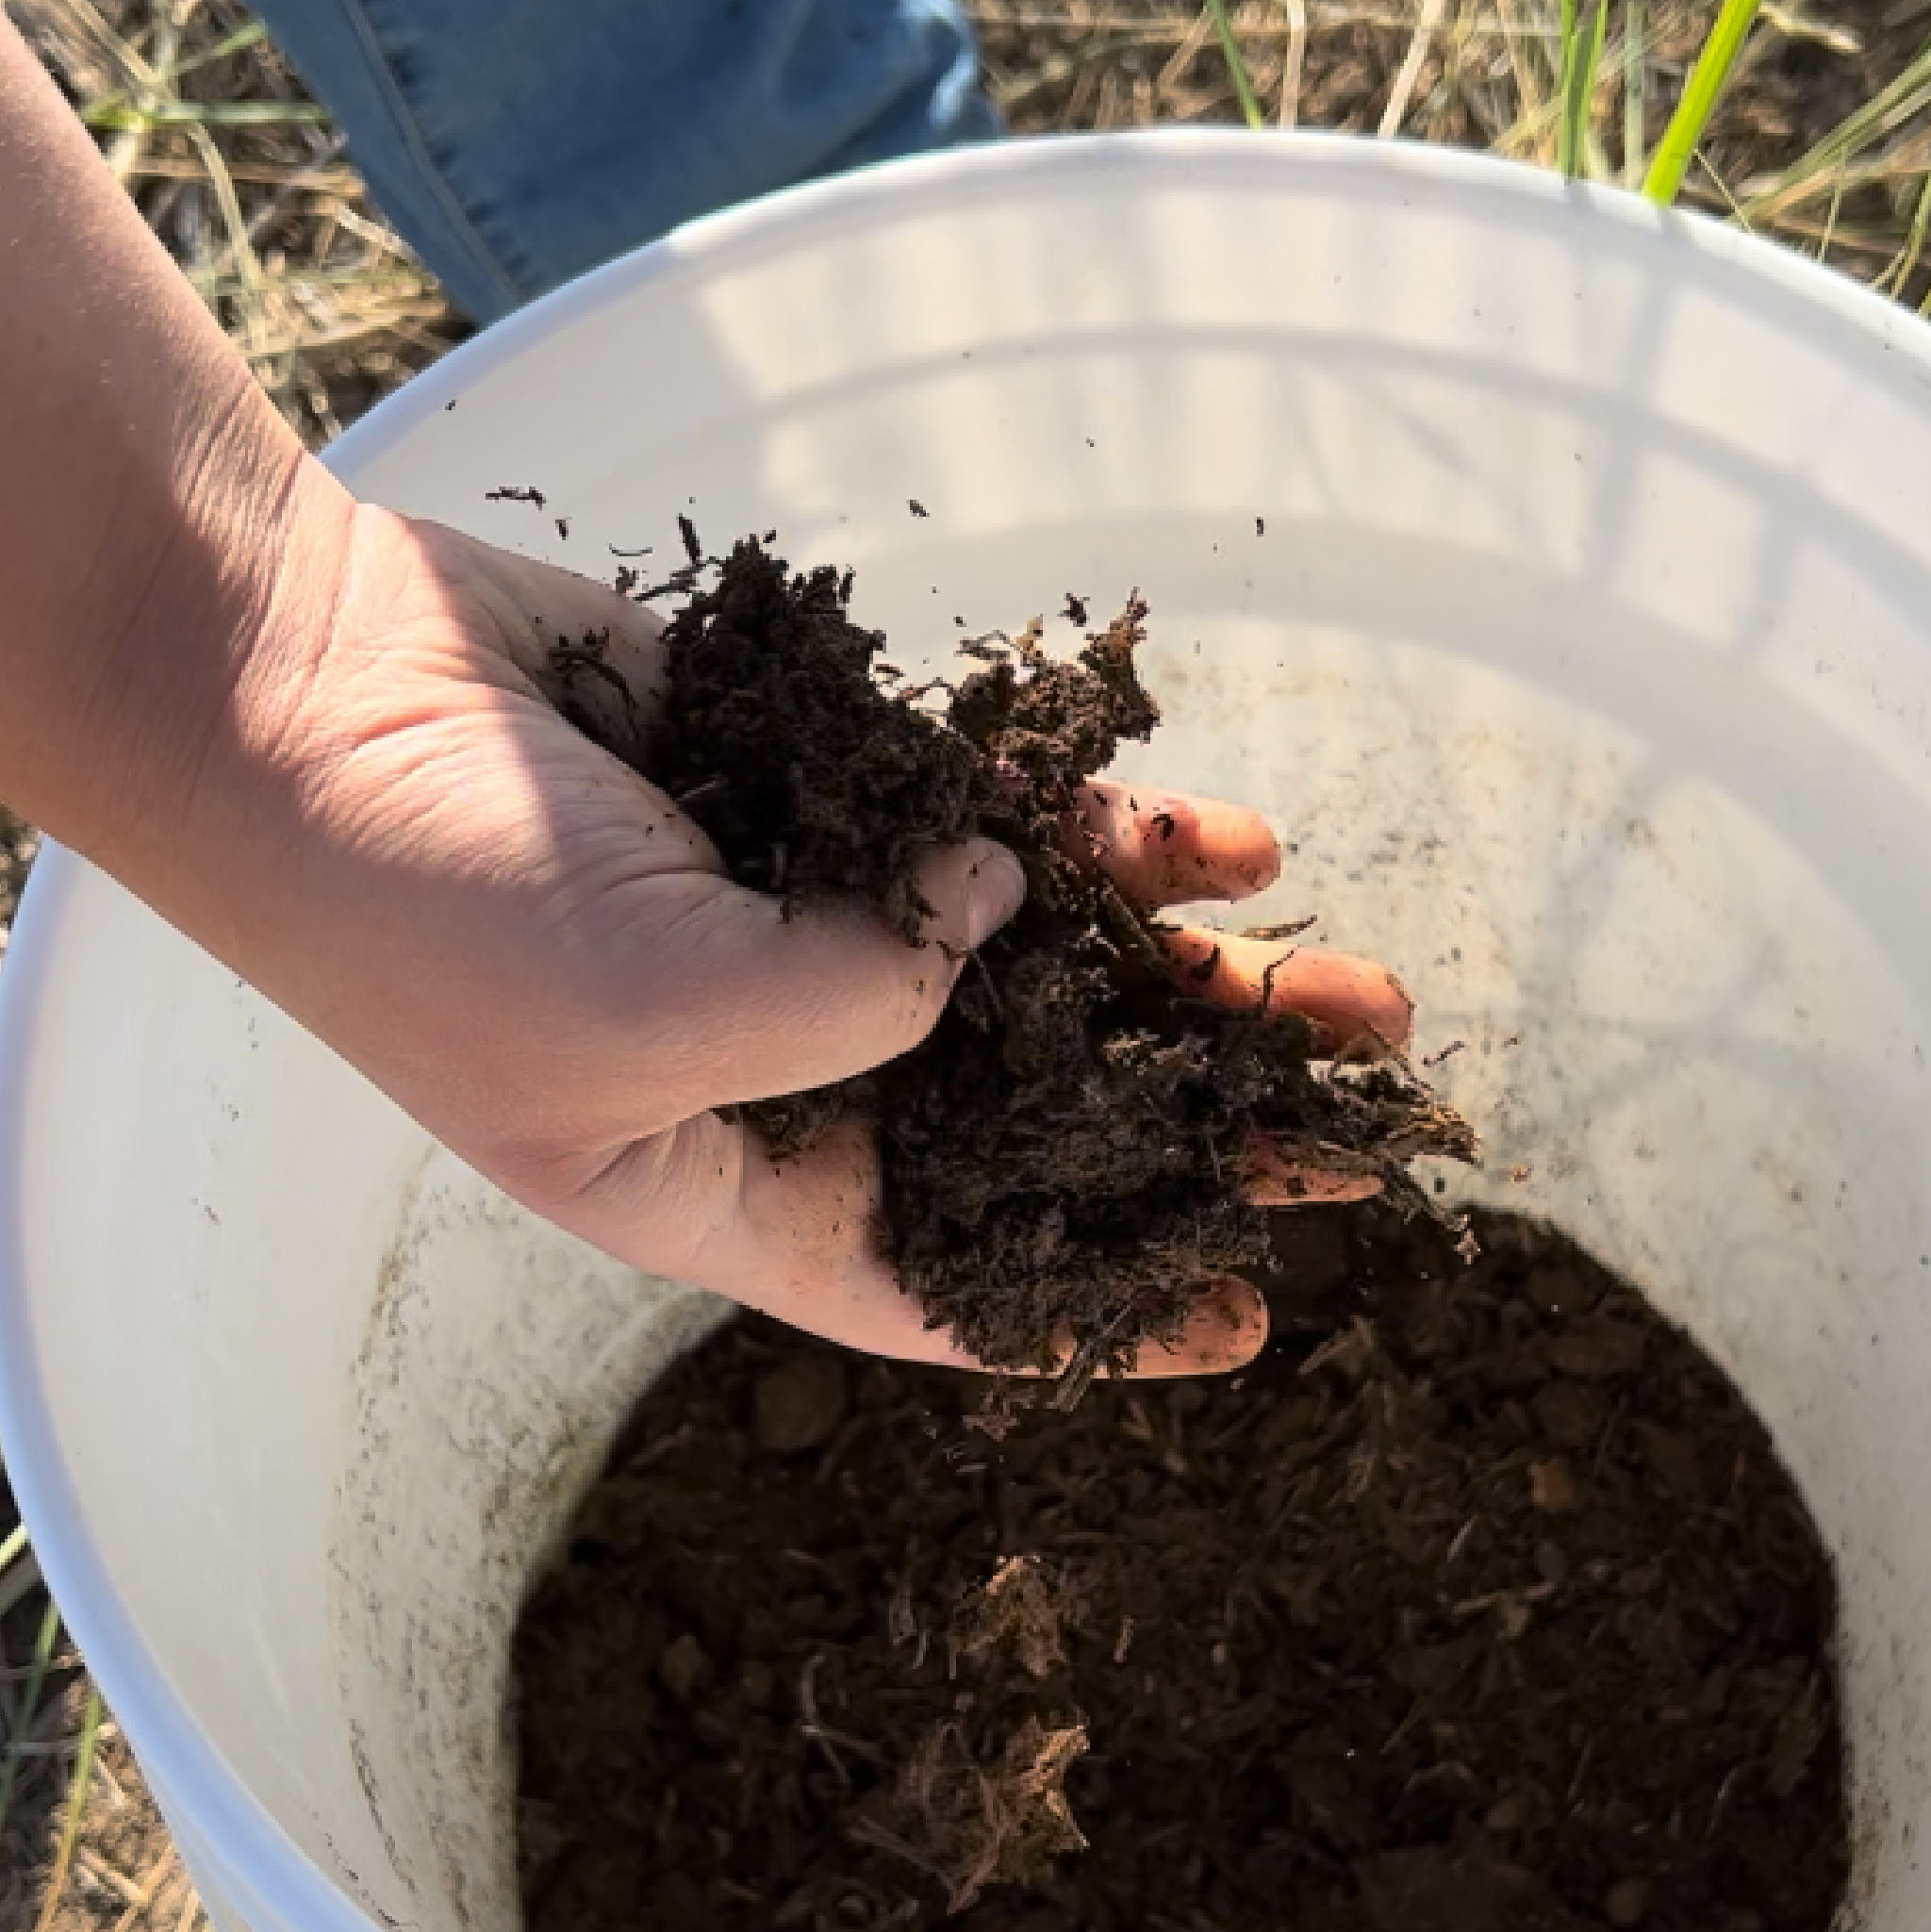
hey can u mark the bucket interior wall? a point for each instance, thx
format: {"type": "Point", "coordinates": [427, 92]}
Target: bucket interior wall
{"type": "Point", "coordinates": [1558, 580]}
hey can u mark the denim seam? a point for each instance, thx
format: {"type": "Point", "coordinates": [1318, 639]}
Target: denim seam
{"type": "Point", "coordinates": [468, 234]}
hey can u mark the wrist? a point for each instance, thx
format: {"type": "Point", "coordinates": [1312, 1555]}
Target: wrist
{"type": "Point", "coordinates": [188, 660]}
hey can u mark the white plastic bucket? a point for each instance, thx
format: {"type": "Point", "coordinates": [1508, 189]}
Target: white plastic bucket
{"type": "Point", "coordinates": [1556, 573]}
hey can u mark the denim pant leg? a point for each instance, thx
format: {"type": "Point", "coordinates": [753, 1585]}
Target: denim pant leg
{"type": "Point", "coordinates": [515, 143]}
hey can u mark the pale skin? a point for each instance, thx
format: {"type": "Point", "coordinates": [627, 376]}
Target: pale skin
{"type": "Point", "coordinates": [315, 736]}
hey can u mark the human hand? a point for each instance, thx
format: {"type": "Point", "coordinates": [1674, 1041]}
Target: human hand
{"type": "Point", "coordinates": [315, 736]}
{"type": "Point", "coordinates": [541, 958]}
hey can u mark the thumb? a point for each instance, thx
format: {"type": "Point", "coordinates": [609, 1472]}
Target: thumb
{"type": "Point", "coordinates": [767, 1004]}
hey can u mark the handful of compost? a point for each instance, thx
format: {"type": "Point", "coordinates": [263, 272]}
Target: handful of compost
{"type": "Point", "coordinates": [1091, 1137]}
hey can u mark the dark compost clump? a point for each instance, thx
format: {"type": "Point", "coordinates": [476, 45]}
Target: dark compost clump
{"type": "Point", "coordinates": [1479, 1602]}
{"type": "Point", "coordinates": [1064, 1157]}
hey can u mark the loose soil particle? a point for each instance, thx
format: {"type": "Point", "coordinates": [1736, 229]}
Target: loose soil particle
{"type": "Point", "coordinates": [1480, 1604]}
{"type": "Point", "coordinates": [1064, 1157]}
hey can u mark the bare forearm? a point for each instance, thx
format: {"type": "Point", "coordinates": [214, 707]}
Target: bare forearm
{"type": "Point", "coordinates": [151, 501]}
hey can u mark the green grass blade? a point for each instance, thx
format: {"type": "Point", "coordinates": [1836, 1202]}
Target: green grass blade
{"type": "Point", "coordinates": [1529, 128]}
{"type": "Point", "coordinates": [17, 1581]}
{"type": "Point", "coordinates": [237, 42]}
{"type": "Point", "coordinates": [76, 1810]}
{"type": "Point", "coordinates": [1230, 47]}
{"type": "Point", "coordinates": [23, 1721]}
{"type": "Point", "coordinates": [19, 1573]}
{"type": "Point", "coordinates": [120, 118]}
{"type": "Point", "coordinates": [1635, 93]}
{"type": "Point", "coordinates": [1904, 263]}
{"type": "Point", "coordinates": [1580, 64]}
{"type": "Point", "coordinates": [1596, 43]}
{"type": "Point", "coordinates": [1700, 95]}
{"type": "Point", "coordinates": [1566, 145]}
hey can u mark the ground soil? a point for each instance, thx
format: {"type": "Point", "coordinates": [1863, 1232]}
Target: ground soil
{"type": "Point", "coordinates": [19, 843]}
{"type": "Point", "coordinates": [1480, 1604]}
{"type": "Point", "coordinates": [1078, 64]}
{"type": "Point", "coordinates": [124, 1855]}
{"type": "Point", "coordinates": [1064, 1159]}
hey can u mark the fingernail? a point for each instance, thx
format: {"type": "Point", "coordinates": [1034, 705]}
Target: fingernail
{"type": "Point", "coordinates": [994, 889]}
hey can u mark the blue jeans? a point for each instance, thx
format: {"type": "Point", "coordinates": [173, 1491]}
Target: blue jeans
{"type": "Point", "coordinates": [515, 143]}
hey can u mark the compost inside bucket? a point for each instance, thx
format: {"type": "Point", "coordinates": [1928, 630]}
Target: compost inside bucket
{"type": "Point", "coordinates": [1480, 1603]}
